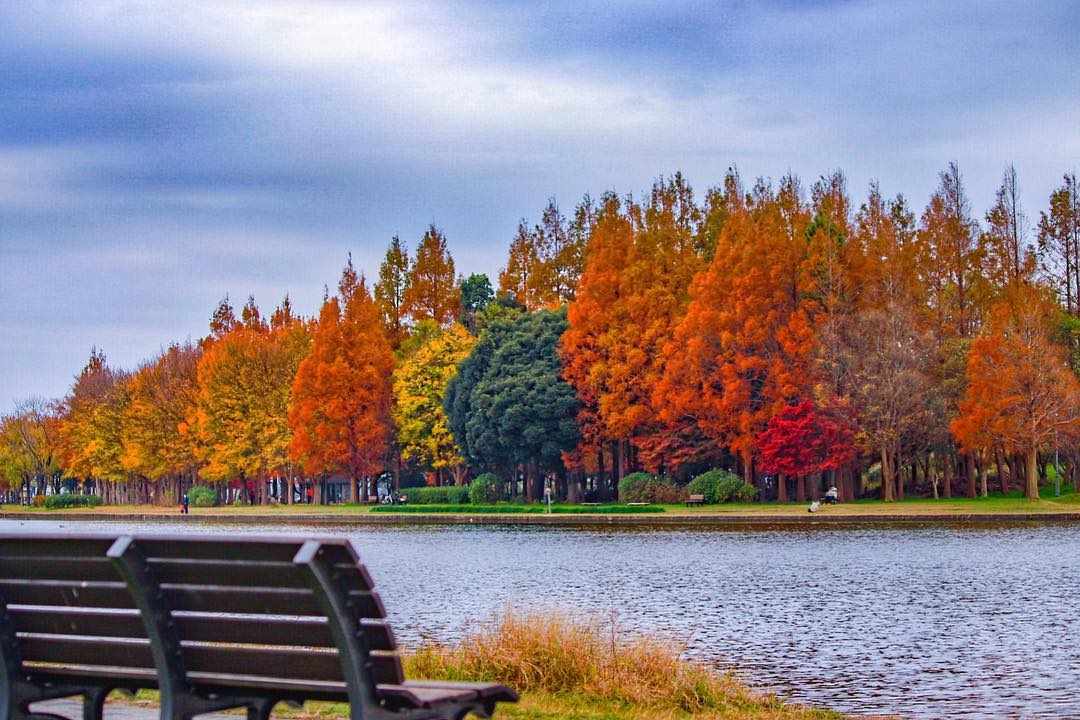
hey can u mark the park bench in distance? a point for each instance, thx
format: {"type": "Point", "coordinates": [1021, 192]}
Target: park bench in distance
{"type": "Point", "coordinates": [211, 624]}
{"type": "Point", "coordinates": [695, 500]}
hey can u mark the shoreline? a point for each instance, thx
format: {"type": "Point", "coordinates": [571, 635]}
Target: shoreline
{"type": "Point", "coordinates": [686, 520]}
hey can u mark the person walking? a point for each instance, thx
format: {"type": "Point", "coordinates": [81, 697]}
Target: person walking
{"type": "Point", "coordinates": [184, 505]}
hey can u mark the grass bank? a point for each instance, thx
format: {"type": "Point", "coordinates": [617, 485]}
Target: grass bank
{"type": "Point", "coordinates": [995, 505]}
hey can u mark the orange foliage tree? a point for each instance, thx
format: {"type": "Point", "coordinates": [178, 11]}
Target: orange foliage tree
{"type": "Point", "coordinates": [431, 291]}
{"type": "Point", "coordinates": [1021, 392]}
{"type": "Point", "coordinates": [341, 398]}
{"type": "Point", "coordinates": [744, 350]}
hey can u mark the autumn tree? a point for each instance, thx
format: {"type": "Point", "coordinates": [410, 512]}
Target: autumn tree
{"type": "Point", "coordinates": [517, 279]}
{"type": "Point", "coordinates": [419, 389]}
{"type": "Point", "coordinates": [634, 291]}
{"type": "Point", "coordinates": [431, 291]}
{"type": "Point", "coordinates": [1059, 244]}
{"type": "Point", "coordinates": [1020, 390]}
{"type": "Point", "coordinates": [76, 424]}
{"type": "Point", "coordinates": [245, 381]}
{"type": "Point", "coordinates": [950, 257]}
{"type": "Point", "coordinates": [159, 425]}
{"type": "Point", "coordinates": [390, 291]}
{"type": "Point", "coordinates": [30, 448]}
{"type": "Point", "coordinates": [744, 350]}
{"type": "Point", "coordinates": [223, 321]}
{"type": "Point", "coordinates": [803, 440]}
{"type": "Point", "coordinates": [1007, 257]}
{"type": "Point", "coordinates": [341, 398]}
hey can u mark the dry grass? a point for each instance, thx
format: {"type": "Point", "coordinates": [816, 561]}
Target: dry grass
{"type": "Point", "coordinates": [554, 654]}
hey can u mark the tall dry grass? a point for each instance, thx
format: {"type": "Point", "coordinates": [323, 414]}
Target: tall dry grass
{"type": "Point", "coordinates": [555, 653]}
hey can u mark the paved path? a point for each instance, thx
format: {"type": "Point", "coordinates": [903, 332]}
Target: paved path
{"type": "Point", "coordinates": [113, 711]}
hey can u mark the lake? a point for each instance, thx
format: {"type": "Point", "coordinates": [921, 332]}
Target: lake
{"type": "Point", "coordinates": [928, 620]}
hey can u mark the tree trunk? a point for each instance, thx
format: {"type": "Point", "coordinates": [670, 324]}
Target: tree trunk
{"type": "Point", "coordinates": [984, 470]}
{"type": "Point", "coordinates": [800, 489]}
{"type": "Point", "coordinates": [530, 480]}
{"type": "Point", "coordinates": [1002, 477]}
{"type": "Point", "coordinates": [886, 476]}
{"type": "Point", "coordinates": [969, 471]}
{"type": "Point", "coordinates": [781, 488]}
{"type": "Point", "coordinates": [616, 463]}
{"type": "Point", "coordinates": [1031, 479]}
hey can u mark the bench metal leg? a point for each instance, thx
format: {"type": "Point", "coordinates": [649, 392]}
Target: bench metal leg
{"type": "Point", "coordinates": [261, 711]}
{"type": "Point", "coordinates": [94, 703]}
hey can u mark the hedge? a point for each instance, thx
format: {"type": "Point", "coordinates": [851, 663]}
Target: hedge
{"type": "Point", "coordinates": [58, 502]}
{"type": "Point", "coordinates": [448, 495]}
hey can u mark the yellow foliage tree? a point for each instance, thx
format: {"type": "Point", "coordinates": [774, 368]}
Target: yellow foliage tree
{"type": "Point", "coordinates": [419, 387]}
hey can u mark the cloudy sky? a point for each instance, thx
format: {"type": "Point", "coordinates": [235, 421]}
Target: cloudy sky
{"type": "Point", "coordinates": [155, 156]}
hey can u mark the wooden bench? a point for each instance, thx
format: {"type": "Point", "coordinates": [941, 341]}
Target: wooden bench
{"type": "Point", "coordinates": [211, 624]}
{"type": "Point", "coordinates": [695, 500]}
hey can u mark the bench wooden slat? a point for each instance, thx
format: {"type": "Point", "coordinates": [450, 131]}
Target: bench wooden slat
{"type": "Point", "coordinates": [254, 549]}
{"type": "Point", "coordinates": [50, 568]}
{"type": "Point", "coordinates": [486, 690]}
{"type": "Point", "coordinates": [243, 572]}
{"type": "Point", "coordinates": [261, 601]}
{"type": "Point", "coordinates": [424, 697]}
{"type": "Point", "coordinates": [312, 632]}
{"type": "Point", "coordinates": [78, 621]}
{"type": "Point", "coordinates": [68, 546]}
{"type": "Point", "coordinates": [66, 593]}
{"type": "Point", "coordinates": [110, 652]}
{"type": "Point", "coordinates": [212, 572]}
{"type": "Point", "coordinates": [297, 632]}
{"type": "Point", "coordinates": [289, 663]}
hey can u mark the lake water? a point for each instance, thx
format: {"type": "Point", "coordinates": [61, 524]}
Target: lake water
{"type": "Point", "coordinates": [920, 621]}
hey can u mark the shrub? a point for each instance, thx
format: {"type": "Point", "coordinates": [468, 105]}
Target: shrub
{"type": "Point", "coordinates": [721, 486]}
{"type": "Point", "coordinates": [57, 502]}
{"type": "Point", "coordinates": [202, 496]}
{"type": "Point", "coordinates": [486, 488]}
{"type": "Point", "coordinates": [667, 492]}
{"type": "Point", "coordinates": [643, 487]}
{"type": "Point", "coordinates": [636, 487]}
{"type": "Point", "coordinates": [447, 495]}
{"type": "Point", "coordinates": [39, 500]}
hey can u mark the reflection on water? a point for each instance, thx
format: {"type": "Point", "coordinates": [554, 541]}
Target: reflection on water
{"type": "Point", "coordinates": [925, 621]}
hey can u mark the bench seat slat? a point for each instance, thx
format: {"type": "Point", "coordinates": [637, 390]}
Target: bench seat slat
{"type": "Point", "coordinates": [486, 690]}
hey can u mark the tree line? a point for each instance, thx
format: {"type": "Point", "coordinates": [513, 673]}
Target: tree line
{"type": "Point", "coordinates": [778, 331]}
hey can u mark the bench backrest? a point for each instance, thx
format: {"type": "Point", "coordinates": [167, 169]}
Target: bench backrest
{"type": "Point", "coordinates": [248, 612]}
{"type": "Point", "coordinates": [697, 498]}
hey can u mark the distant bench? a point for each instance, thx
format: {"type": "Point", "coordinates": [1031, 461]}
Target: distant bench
{"type": "Point", "coordinates": [211, 624]}
{"type": "Point", "coordinates": [695, 500]}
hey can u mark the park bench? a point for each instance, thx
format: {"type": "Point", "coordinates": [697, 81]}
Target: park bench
{"type": "Point", "coordinates": [211, 624]}
{"type": "Point", "coordinates": [695, 500]}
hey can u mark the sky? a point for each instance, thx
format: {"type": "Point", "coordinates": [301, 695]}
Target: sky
{"type": "Point", "coordinates": [156, 156]}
